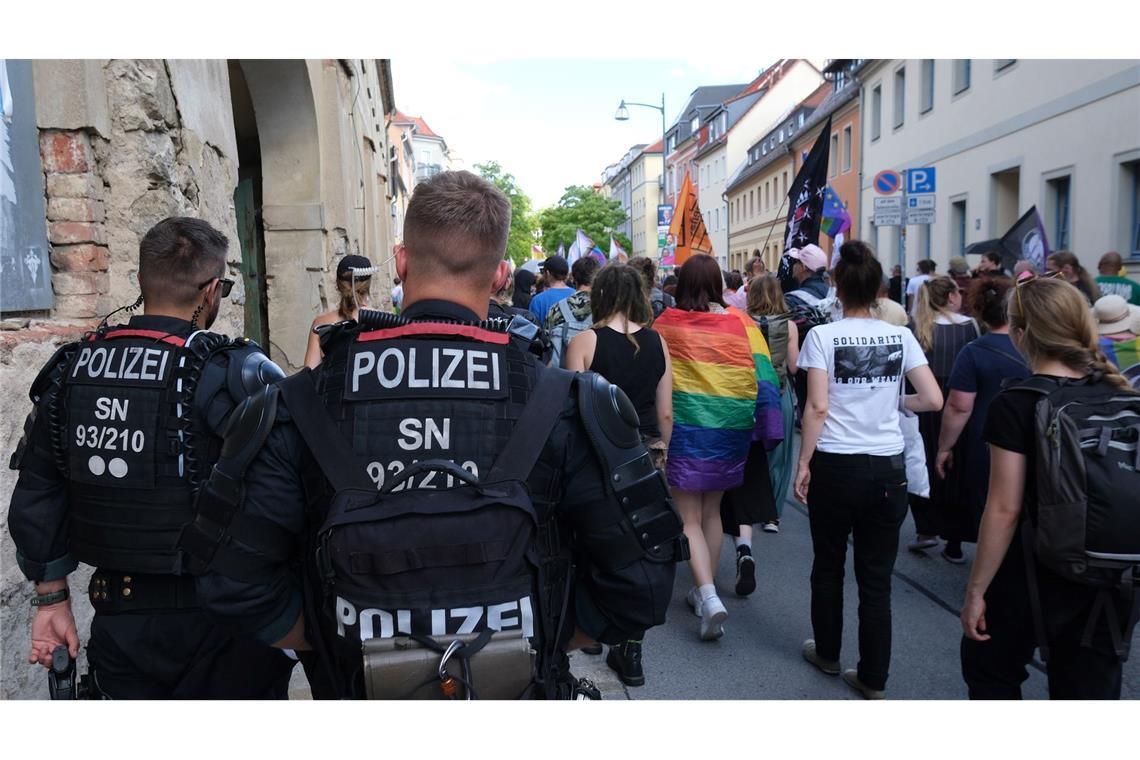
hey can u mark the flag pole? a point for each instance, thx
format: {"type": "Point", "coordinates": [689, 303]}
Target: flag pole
{"type": "Point", "coordinates": [778, 214]}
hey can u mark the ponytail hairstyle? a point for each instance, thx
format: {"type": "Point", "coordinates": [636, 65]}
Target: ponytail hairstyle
{"type": "Point", "coordinates": [933, 299]}
{"type": "Point", "coordinates": [618, 289]}
{"type": "Point", "coordinates": [986, 299]}
{"type": "Point", "coordinates": [858, 275]}
{"type": "Point", "coordinates": [351, 298]}
{"type": "Point", "coordinates": [1067, 258]}
{"type": "Point", "coordinates": [1055, 323]}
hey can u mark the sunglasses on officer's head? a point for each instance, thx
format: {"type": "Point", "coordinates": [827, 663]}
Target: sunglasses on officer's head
{"type": "Point", "coordinates": [226, 282]}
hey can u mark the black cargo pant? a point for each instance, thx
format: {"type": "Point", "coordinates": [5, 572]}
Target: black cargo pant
{"type": "Point", "coordinates": [179, 654]}
{"type": "Point", "coordinates": [865, 497]}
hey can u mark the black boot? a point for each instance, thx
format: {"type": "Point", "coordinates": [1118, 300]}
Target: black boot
{"type": "Point", "coordinates": [745, 571]}
{"type": "Point", "coordinates": [625, 660]}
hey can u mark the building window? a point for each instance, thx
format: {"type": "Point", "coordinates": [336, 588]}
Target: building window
{"type": "Point", "coordinates": [840, 79]}
{"type": "Point", "coordinates": [958, 227]}
{"type": "Point", "coordinates": [801, 119]}
{"type": "Point", "coordinates": [1059, 195]}
{"type": "Point", "coordinates": [785, 184]}
{"type": "Point", "coordinates": [767, 196]}
{"type": "Point", "coordinates": [876, 112]}
{"type": "Point", "coordinates": [695, 124]}
{"type": "Point", "coordinates": [1134, 237]}
{"type": "Point", "coordinates": [900, 97]}
{"type": "Point", "coordinates": [927, 102]}
{"type": "Point", "coordinates": [961, 75]}
{"type": "Point", "coordinates": [847, 148]}
{"type": "Point", "coordinates": [781, 134]}
{"type": "Point", "coordinates": [1001, 64]}
{"type": "Point", "coordinates": [833, 159]}
{"type": "Point", "coordinates": [751, 205]}
{"type": "Point", "coordinates": [716, 218]}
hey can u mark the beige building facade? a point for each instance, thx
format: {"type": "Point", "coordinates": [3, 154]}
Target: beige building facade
{"type": "Point", "coordinates": [644, 181]}
{"type": "Point", "coordinates": [289, 158]}
{"type": "Point", "coordinates": [1004, 135]}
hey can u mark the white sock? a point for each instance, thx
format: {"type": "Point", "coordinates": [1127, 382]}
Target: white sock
{"type": "Point", "coordinates": [708, 591]}
{"type": "Point", "coordinates": [743, 542]}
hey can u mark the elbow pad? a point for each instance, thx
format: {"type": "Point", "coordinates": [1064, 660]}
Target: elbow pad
{"type": "Point", "coordinates": [650, 526]}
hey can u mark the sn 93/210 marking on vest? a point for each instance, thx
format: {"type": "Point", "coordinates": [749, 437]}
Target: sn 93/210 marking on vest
{"type": "Point", "coordinates": [378, 472]}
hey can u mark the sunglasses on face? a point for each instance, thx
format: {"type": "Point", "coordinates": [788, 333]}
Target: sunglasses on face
{"type": "Point", "coordinates": [226, 283]}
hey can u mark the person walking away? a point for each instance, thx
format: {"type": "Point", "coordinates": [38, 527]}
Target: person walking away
{"type": "Point", "coordinates": [1070, 269]}
{"type": "Point", "coordinates": [96, 487]}
{"type": "Point", "coordinates": [1037, 580]}
{"type": "Point", "coordinates": [734, 294]}
{"type": "Point", "coordinates": [555, 270]}
{"type": "Point", "coordinates": [571, 316]}
{"type": "Point", "coordinates": [959, 271]}
{"type": "Point", "coordinates": [659, 300]}
{"type": "Point", "coordinates": [1113, 279]}
{"type": "Point", "coordinates": [524, 285]}
{"type": "Point", "coordinates": [942, 331]}
{"type": "Point", "coordinates": [622, 348]}
{"type": "Point", "coordinates": [761, 497]}
{"type": "Point", "coordinates": [1116, 325]}
{"type": "Point", "coordinates": [721, 402]}
{"type": "Point", "coordinates": [397, 295]}
{"type": "Point", "coordinates": [895, 292]}
{"type": "Point", "coordinates": [981, 369]}
{"type": "Point", "coordinates": [887, 308]}
{"type": "Point", "coordinates": [926, 268]}
{"type": "Point", "coordinates": [354, 291]}
{"type": "Point", "coordinates": [851, 471]}
{"type": "Point", "coordinates": [482, 485]}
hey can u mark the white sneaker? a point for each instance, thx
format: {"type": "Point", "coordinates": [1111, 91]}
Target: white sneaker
{"type": "Point", "coordinates": [713, 615]}
{"type": "Point", "coordinates": [694, 600]}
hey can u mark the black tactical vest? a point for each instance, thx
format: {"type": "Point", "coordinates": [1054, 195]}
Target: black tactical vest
{"type": "Point", "coordinates": [128, 446]}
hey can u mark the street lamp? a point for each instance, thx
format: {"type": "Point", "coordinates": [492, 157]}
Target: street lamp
{"type": "Point", "coordinates": [623, 115]}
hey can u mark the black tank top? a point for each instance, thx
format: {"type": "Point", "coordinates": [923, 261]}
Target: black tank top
{"type": "Point", "coordinates": [636, 375]}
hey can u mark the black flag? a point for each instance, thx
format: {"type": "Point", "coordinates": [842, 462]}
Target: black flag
{"type": "Point", "coordinates": [805, 199]}
{"type": "Point", "coordinates": [1026, 239]}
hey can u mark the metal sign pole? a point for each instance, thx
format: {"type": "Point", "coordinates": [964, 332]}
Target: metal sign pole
{"type": "Point", "coordinates": [902, 247]}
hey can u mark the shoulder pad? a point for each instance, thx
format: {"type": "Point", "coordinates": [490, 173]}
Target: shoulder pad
{"type": "Point", "coordinates": [605, 406]}
{"type": "Point", "coordinates": [249, 371]}
{"type": "Point", "coordinates": [249, 426]}
{"type": "Point", "coordinates": [43, 379]}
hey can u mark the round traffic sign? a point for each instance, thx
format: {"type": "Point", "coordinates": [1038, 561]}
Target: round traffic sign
{"type": "Point", "coordinates": [887, 182]}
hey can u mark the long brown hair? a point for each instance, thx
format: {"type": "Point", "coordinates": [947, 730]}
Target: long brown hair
{"type": "Point", "coordinates": [1068, 258]}
{"type": "Point", "coordinates": [765, 296]}
{"type": "Point", "coordinates": [699, 283]}
{"type": "Point", "coordinates": [619, 289]}
{"type": "Point", "coordinates": [933, 299]}
{"type": "Point", "coordinates": [1055, 323]}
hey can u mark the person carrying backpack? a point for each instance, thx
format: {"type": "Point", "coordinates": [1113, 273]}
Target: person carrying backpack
{"type": "Point", "coordinates": [433, 513]}
{"type": "Point", "coordinates": [571, 316]}
{"type": "Point", "coordinates": [1058, 560]}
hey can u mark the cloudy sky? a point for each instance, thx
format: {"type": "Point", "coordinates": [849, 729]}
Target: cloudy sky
{"type": "Point", "coordinates": [551, 122]}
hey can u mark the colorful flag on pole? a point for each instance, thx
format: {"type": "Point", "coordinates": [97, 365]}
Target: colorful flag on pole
{"type": "Point", "coordinates": [562, 250]}
{"type": "Point", "coordinates": [617, 253]}
{"type": "Point", "coordinates": [582, 246]}
{"type": "Point", "coordinates": [536, 253]}
{"type": "Point", "coordinates": [688, 225]}
{"type": "Point", "coordinates": [836, 220]}
{"type": "Point", "coordinates": [805, 199]}
{"type": "Point", "coordinates": [1026, 239]}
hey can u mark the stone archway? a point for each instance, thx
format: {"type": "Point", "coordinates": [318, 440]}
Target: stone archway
{"type": "Point", "coordinates": [291, 218]}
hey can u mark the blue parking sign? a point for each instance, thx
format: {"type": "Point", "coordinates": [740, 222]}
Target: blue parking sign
{"type": "Point", "coordinates": [920, 180]}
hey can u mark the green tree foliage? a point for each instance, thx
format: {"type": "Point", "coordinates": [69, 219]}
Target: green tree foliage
{"type": "Point", "coordinates": [521, 237]}
{"type": "Point", "coordinates": [581, 207]}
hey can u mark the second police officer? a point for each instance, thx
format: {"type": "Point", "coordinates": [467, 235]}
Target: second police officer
{"type": "Point", "coordinates": [451, 515]}
{"type": "Point", "coordinates": [126, 426]}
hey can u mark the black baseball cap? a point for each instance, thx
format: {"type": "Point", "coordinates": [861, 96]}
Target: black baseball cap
{"type": "Point", "coordinates": [351, 262]}
{"type": "Point", "coordinates": [557, 266]}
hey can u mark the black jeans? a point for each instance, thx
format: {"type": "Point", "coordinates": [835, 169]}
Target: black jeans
{"type": "Point", "coordinates": [863, 496]}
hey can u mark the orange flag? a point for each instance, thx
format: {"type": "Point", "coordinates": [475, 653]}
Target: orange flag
{"type": "Point", "coordinates": [688, 226]}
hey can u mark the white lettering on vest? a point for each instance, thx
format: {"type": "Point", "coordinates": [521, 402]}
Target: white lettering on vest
{"type": "Point", "coordinates": [393, 380]}
{"type": "Point", "coordinates": [497, 616]}
{"type": "Point", "coordinates": [365, 362]}
{"type": "Point", "coordinates": [122, 363]}
{"type": "Point", "coordinates": [413, 381]}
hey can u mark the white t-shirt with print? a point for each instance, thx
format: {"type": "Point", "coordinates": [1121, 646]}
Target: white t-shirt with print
{"type": "Point", "coordinates": [864, 359]}
{"type": "Point", "coordinates": [912, 286]}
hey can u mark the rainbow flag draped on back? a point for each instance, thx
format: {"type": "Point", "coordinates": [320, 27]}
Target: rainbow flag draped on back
{"type": "Point", "coordinates": [719, 364]}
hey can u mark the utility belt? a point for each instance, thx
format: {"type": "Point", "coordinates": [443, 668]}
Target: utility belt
{"type": "Point", "coordinates": [115, 593]}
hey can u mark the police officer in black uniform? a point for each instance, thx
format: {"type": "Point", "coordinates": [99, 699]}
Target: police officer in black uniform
{"type": "Point", "coordinates": [125, 426]}
{"type": "Point", "coordinates": [441, 381]}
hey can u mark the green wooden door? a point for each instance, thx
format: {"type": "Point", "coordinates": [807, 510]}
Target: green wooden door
{"type": "Point", "coordinates": [253, 276]}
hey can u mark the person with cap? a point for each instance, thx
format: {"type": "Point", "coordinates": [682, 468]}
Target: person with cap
{"type": "Point", "coordinates": [808, 268]}
{"type": "Point", "coordinates": [354, 284]}
{"type": "Point", "coordinates": [556, 270]}
{"type": "Point", "coordinates": [960, 274]}
{"type": "Point", "coordinates": [1112, 281]}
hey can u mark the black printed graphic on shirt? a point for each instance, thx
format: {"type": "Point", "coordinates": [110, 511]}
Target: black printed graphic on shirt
{"type": "Point", "coordinates": [876, 364]}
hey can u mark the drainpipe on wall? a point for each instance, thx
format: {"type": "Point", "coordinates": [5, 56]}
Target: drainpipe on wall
{"type": "Point", "coordinates": [859, 195]}
{"type": "Point", "coordinates": [727, 218]}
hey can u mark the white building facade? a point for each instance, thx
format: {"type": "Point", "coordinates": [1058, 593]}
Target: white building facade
{"type": "Point", "coordinates": [1004, 135]}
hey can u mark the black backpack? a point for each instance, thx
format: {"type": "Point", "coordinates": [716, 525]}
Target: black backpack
{"type": "Point", "coordinates": [441, 587]}
{"type": "Point", "coordinates": [1087, 526]}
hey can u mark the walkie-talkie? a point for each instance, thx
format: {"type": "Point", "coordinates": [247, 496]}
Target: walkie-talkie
{"type": "Point", "coordinates": [61, 676]}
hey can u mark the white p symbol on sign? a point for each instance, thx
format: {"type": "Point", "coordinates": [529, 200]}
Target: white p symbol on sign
{"type": "Point", "coordinates": [920, 180]}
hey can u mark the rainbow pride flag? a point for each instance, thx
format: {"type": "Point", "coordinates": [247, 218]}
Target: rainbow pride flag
{"type": "Point", "coordinates": [716, 409]}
